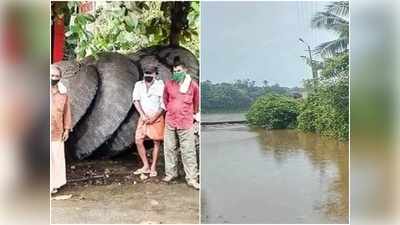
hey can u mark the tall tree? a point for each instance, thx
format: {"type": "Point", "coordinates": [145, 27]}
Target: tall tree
{"type": "Point", "coordinates": [335, 18]}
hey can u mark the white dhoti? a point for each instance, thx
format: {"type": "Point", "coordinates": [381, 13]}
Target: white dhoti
{"type": "Point", "coordinates": [58, 176]}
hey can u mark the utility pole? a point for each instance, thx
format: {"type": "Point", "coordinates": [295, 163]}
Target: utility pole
{"type": "Point", "coordinates": [313, 69]}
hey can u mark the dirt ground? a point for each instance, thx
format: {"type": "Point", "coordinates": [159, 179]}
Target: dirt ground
{"type": "Point", "coordinates": [106, 191]}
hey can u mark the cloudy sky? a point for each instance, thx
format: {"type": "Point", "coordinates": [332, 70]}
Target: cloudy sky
{"type": "Point", "coordinates": [258, 40]}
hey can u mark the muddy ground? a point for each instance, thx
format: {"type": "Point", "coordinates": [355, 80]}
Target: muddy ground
{"type": "Point", "coordinates": [106, 191]}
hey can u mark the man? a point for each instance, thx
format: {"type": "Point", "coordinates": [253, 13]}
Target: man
{"type": "Point", "coordinates": [148, 100]}
{"type": "Point", "coordinates": [181, 99]}
{"type": "Point", "coordinates": [60, 127]}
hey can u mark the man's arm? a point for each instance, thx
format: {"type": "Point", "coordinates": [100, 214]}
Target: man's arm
{"type": "Point", "coordinates": [67, 120]}
{"type": "Point", "coordinates": [165, 96]}
{"type": "Point", "coordinates": [162, 105]}
{"type": "Point", "coordinates": [195, 97]}
{"type": "Point", "coordinates": [138, 107]}
{"type": "Point", "coordinates": [136, 101]}
{"type": "Point", "coordinates": [156, 116]}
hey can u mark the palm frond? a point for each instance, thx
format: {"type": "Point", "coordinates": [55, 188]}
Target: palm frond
{"type": "Point", "coordinates": [329, 21]}
{"type": "Point", "coordinates": [331, 48]}
{"type": "Point", "coordinates": [339, 8]}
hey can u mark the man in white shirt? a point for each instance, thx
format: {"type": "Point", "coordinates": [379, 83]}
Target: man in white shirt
{"type": "Point", "coordinates": [148, 100]}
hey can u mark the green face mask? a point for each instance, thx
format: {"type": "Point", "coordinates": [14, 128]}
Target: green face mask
{"type": "Point", "coordinates": [178, 76]}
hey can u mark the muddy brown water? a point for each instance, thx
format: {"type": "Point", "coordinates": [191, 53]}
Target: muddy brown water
{"type": "Point", "coordinates": [277, 176]}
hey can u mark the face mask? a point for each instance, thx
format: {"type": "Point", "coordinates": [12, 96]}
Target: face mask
{"type": "Point", "coordinates": [148, 79]}
{"type": "Point", "coordinates": [178, 76]}
{"type": "Point", "coordinates": [54, 82]}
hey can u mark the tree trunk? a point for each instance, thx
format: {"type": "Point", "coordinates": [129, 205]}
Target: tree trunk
{"type": "Point", "coordinates": [175, 29]}
{"type": "Point", "coordinates": [179, 11]}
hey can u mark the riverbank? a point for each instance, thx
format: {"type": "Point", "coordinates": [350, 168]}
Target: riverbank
{"type": "Point", "coordinates": [227, 116]}
{"type": "Point", "coordinates": [106, 191]}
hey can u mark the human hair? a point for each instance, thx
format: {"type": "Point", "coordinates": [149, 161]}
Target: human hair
{"type": "Point", "coordinates": [53, 66]}
{"type": "Point", "coordinates": [178, 62]}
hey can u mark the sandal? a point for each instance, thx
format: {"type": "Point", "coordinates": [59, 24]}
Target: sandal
{"type": "Point", "coordinates": [141, 171]}
{"type": "Point", "coordinates": [168, 178]}
{"type": "Point", "coordinates": [194, 184]}
{"type": "Point", "coordinates": [153, 173]}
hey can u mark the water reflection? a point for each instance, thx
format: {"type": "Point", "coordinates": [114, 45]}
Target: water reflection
{"type": "Point", "coordinates": [278, 176]}
{"type": "Point", "coordinates": [328, 156]}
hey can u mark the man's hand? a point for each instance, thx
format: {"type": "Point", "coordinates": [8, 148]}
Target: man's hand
{"type": "Point", "coordinates": [65, 135]}
{"type": "Point", "coordinates": [196, 117]}
{"type": "Point", "coordinates": [152, 119]}
{"type": "Point", "coordinates": [145, 118]}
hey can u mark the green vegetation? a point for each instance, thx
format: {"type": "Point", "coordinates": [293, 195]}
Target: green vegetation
{"type": "Point", "coordinates": [129, 26]}
{"type": "Point", "coordinates": [274, 111]}
{"type": "Point", "coordinates": [325, 109]}
{"type": "Point", "coordinates": [238, 95]}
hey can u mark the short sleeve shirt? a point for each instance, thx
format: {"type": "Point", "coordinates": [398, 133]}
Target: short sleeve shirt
{"type": "Point", "coordinates": [180, 107]}
{"type": "Point", "coordinates": [151, 99]}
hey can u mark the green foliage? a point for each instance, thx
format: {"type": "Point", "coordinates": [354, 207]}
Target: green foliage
{"type": "Point", "coordinates": [127, 27]}
{"type": "Point", "coordinates": [325, 111]}
{"type": "Point", "coordinates": [336, 66]}
{"type": "Point", "coordinates": [335, 18]}
{"type": "Point", "coordinates": [274, 111]}
{"type": "Point", "coordinates": [236, 96]}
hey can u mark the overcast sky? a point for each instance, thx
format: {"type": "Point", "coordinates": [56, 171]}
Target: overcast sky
{"type": "Point", "coordinates": [258, 40]}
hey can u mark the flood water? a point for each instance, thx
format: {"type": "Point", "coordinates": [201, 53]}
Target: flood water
{"type": "Point", "coordinates": [216, 117]}
{"type": "Point", "coordinates": [278, 176]}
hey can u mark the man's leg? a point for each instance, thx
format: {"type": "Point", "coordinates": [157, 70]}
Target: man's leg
{"type": "Point", "coordinates": [156, 151]}
{"type": "Point", "coordinates": [170, 152]}
{"type": "Point", "coordinates": [142, 153]}
{"type": "Point", "coordinates": [139, 140]}
{"type": "Point", "coordinates": [188, 152]}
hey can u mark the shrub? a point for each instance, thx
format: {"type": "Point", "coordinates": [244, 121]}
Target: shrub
{"type": "Point", "coordinates": [274, 111]}
{"type": "Point", "coordinates": [326, 111]}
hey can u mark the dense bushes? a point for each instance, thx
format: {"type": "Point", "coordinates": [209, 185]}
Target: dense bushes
{"type": "Point", "coordinates": [274, 111]}
{"type": "Point", "coordinates": [324, 110]}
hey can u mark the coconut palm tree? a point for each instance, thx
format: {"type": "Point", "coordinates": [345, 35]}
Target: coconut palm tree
{"type": "Point", "coordinates": [336, 19]}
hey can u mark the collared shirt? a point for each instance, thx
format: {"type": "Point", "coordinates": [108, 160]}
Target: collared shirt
{"type": "Point", "coordinates": [60, 115]}
{"type": "Point", "coordinates": [180, 107]}
{"type": "Point", "coordinates": [151, 99]}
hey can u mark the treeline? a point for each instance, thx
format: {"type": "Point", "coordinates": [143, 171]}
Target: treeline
{"type": "Point", "coordinates": [238, 95]}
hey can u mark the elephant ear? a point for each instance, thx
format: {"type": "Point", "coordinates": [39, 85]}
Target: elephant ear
{"type": "Point", "coordinates": [113, 100]}
{"type": "Point", "coordinates": [169, 54]}
{"type": "Point", "coordinates": [80, 83]}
